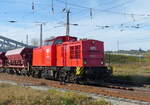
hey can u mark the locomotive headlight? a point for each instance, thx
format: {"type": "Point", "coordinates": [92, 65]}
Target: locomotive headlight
{"type": "Point", "coordinates": [93, 42]}
{"type": "Point", "coordinates": [85, 62]}
{"type": "Point", "coordinates": [102, 61]}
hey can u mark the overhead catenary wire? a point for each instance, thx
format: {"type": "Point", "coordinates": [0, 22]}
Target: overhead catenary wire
{"type": "Point", "coordinates": [94, 9]}
{"type": "Point", "coordinates": [118, 25]}
{"type": "Point", "coordinates": [103, 10]}
{"type": "Point", "coordinates": [125, 24]}
{"type": "Point", "coordinates": [91, 9]}
{"type": "Point", "coordinates": [121, 4]}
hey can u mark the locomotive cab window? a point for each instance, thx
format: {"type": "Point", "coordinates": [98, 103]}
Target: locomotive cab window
{"type": "Point", "coordinates": [48, 43]}
{"type": "Point", "coordinates": [58, 41]}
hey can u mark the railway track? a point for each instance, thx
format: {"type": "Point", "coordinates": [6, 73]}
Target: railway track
{"type": "Point", "coordinates": [109, 85]}
{"type": "Point", "coordinates": [103, 89]}
{"type": "Point", "coordinates": [127, 83]}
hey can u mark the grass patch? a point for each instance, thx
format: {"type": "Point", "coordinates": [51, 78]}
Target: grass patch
{"type": "Point", "coordinates": [132, 72]}
{"type": "Point", "coordinates": [15, 95]}
{"type": "Point", "coordinates": [121, 59]}
{"type": "Point", "coordinates": [4, 85]}
{"type": "Point", "coordinates": [130, 68]}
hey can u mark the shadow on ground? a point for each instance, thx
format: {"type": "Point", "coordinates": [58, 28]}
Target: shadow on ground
{"type": "Point", "coordinates": [138, 80]}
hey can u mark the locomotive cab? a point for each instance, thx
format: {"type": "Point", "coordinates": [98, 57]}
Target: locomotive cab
{"type": "Point", "coordinates": [46, 55]}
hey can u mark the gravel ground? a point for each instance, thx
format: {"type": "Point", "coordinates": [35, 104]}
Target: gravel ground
{"type": "Point", "coordinates": [113, 100]}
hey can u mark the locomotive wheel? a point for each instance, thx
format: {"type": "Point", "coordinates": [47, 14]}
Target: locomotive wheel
{"type": "Point", "coordinates": [2, 70]}
{"type": "Point", "coordinates": [9, 71]}
{"type": "Point", "coordinates": [37, 74]}
{"type": "Point", "coordinates": [73, 77]}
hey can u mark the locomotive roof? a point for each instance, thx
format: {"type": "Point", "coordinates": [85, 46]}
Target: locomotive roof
{"type": "Point", "coordinates": [15, 51]}
{"type": "Point", "coordinates": [60, 37]}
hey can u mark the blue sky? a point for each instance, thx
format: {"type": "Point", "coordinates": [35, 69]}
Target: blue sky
{"type": "Point", "coordinates": [122, 26]}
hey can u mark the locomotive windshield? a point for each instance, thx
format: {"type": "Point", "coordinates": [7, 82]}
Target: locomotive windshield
{"type": "Point", "coordinates": [59, 41]}
{"type": "Point", "coordinates": [48, 42]}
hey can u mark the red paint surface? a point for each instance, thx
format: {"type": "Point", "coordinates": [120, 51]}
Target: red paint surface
{"type": "Point", "coordinates": [70, 52]}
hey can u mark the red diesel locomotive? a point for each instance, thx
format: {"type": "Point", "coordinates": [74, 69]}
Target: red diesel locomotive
{"type": "Point", "coordinates": [61, 57]}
